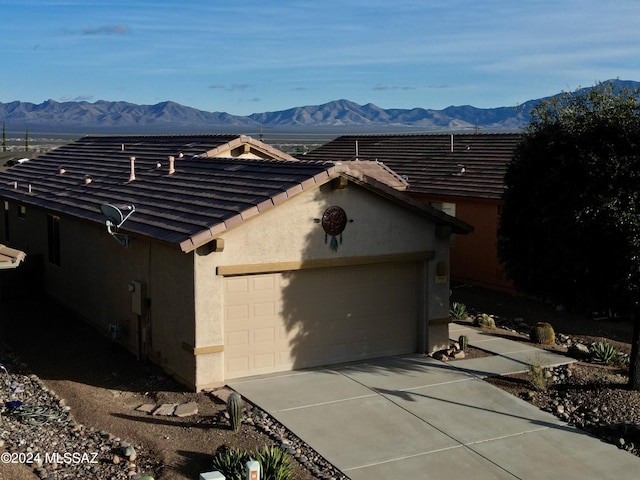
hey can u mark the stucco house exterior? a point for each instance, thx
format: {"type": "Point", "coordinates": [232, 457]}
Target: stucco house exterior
{"type": "Point", "coordinates": [461, 174]}
{"type": "Point", "coordinates": [233, 259]}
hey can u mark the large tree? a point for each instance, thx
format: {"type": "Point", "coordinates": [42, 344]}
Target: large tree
{"type": "Point", "coordinates": [570, 227]}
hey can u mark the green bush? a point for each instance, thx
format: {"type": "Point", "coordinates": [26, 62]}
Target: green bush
{"type": "Point", "coordinates": [542, 333]}
{"type": "Point", "coordinates": [275, 464]}
{"type": "Point", "coordinates": [606, 353]}
{"type": "Point", "coordinates": [458, 311]}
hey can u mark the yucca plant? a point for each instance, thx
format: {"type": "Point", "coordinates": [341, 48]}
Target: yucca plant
{"type": "Point", "coordinates": [604, 352]}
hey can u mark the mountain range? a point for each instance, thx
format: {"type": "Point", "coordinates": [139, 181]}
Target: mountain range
{"type": "Point", "coordinates": [165, 117]}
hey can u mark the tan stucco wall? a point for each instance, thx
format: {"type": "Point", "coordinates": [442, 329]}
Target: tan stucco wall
{"type": "Point", "coordinates": [93, 278]}
{"type": "Point", "coordinates": [291, 232]}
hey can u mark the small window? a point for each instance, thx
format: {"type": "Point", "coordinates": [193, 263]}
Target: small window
{"type": "Point", "coordinates": [53, 232]}
{"type": "Point", "coordinates": [22, 211]}
{"type": "Point", "coordinates": [6, 221]}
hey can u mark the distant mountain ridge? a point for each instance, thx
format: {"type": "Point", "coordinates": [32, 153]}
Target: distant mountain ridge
{"type": "Point", "coordinates": [171, 117]}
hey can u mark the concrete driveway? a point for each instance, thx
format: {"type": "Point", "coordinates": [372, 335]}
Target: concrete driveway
{"type": "Point", "coordinates": [415, 417]}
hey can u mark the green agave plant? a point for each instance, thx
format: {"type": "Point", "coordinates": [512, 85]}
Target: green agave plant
{"type": "Point", "coordinates": [602, 352]}
{"type": "Point", "coordinates": [275, 463]}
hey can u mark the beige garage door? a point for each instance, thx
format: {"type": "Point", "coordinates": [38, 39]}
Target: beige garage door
{"type": "Point", "coordinates": [283, 321]}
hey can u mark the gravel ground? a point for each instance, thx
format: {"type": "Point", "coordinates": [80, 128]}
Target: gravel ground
{"type": "Point", "coordinates": [89, 390]}
{"type": "Point", "coordinates": [588, 395]}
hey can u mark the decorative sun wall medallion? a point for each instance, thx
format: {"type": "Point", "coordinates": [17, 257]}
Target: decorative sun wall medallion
{"type": "Point", "coordinates": [334, 220]}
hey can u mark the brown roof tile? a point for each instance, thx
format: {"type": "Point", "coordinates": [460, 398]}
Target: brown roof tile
{"type": "Point", "coordinates": [186, 207]}
{"type": "Point", "coordinates": [202, 198]}
{"type": "Point", "coordinates": [465, 165]}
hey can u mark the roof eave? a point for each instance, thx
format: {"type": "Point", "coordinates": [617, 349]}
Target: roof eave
{"type": "Point", "coordinates": [205, 236]}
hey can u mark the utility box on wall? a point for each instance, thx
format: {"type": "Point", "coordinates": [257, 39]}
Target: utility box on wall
{"type": "Point", "coordinates": [138, 296]}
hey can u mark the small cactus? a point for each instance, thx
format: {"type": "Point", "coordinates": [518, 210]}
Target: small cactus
{"type": "Point", "coordinates": [234, 409]}
{"type": "Point", "coordinates": [484, 321]}
{"type": "Point", "coordinates": [463, 341]}
{"type": "Point", "coordinates": [542, 333]}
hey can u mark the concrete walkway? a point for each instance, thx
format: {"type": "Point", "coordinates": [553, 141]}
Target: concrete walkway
{"type": "Point", "coordinates": [414, 417]}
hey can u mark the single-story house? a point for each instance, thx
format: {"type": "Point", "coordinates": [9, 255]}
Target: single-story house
{"type": "Point", "coordinates": [219, 257]}
{"type": "Point", "coordinates": [461, 174]}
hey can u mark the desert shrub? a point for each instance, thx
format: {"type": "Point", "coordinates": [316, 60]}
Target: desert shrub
{"type": "Point", "coordinates": [538, 376]}
{"type": "Point", "coordinates": [485, 321]}
{"type": "Point", "coordinates": [542, 333]}
{"type": "Point", "coordinates": [458, 311]}
{"type": "Point", "coordinates": [604, 352]}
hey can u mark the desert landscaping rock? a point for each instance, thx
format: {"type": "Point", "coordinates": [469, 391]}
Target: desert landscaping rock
{"type": "Point", "coordinates": [146, 407]}
{"type": "Point", "coordinates": [39, 431]}
{"type": "Point", "coordinates": [186, 409]}
{"type": "Point", "coordinates": [222, 394]}
{"type": "Point", "coordinates": [165, 409]}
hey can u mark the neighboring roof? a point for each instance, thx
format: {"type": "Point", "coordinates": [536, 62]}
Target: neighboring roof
{"type": "Point", "coordinates": [10, 257]}
{"type": "Point", "coordinates": [200, 199]}
{"type": "Point", "coordinates": [463, 165]}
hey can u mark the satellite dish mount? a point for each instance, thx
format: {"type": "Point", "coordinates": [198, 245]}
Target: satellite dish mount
{"type": "Point", "coordinates": [115, 218]}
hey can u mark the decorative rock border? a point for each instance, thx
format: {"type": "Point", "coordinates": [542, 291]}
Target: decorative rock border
{"type": "Point", "coordinates": [38, 429]}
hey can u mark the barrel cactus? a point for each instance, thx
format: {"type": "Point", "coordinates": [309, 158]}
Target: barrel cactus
{"type": "Point", "coordinates": [485, 321]}
{"type": "Point", "coordinates": [234, 409]}
{"type": "Point", "coordinates": [463, 341]}
{"type": "Point", "coordinates": [542, 333]}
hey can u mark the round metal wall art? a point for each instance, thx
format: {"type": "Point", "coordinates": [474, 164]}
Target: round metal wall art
{"type": "Point", "coordinates": [334, 220]}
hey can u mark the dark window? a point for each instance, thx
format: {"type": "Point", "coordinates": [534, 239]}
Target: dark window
{"type": "Point", "coordinates": [53, 231]}
{"type": "Point", "coordinates": [22, 211]}
{"type": "Point", "coordinates": [6, 221]}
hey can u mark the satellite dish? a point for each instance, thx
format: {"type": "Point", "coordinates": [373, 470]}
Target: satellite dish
{"type": "Point", "coordinates": [113, 213]}
{"type": "Point", "coordinates": [115, 218]}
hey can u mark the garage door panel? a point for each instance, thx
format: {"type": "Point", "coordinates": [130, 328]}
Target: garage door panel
{"type": "Point", "coordinates": [281, 321]}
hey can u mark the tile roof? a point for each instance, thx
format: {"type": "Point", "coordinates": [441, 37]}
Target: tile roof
{"type": "Point", "coordinates": [463, 165]}
{"type": "Point", "coordinates": [200, 199]}
{"type": "Point", "coordinates": [203, 197]}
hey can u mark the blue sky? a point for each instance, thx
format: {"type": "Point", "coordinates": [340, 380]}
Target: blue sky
{"type": "Point", "coordinates": [247, 56]}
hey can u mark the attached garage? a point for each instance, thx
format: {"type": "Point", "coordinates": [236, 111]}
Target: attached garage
{"type": "Point", "coordinates": [319, 316]}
